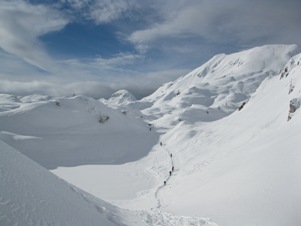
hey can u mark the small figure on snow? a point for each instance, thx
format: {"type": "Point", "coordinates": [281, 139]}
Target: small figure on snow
{"type": "Point", "coordinates": [241, 106]}
{"type": "Point", "coordinates": [164, 182]}
{"type": "Point", "coordinates": [172, 168]}
{"type": "Point", "coordinates": [169, 173]}
{"type": "Point", "coordinates": [170, 155]}
{"type": "Point", "coordinates": [161, 144]}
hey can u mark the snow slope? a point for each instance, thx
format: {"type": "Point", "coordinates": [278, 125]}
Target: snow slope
{"type": "Point", "coordinates": [237, 170]}
{"type": "Point", "coordinates": [219, 87]}
{"type": "Point", "coordinates": [30, 195]}
{"type": "Point", "coordinates": [75, 131]}
{"type": "Point", "coordinates": [65, 134]}
{"type": "Point", "coordinates": [243, 169]}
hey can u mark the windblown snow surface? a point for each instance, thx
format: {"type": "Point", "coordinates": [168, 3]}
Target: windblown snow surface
{"type": "Point", "coordinates": [230, 129]}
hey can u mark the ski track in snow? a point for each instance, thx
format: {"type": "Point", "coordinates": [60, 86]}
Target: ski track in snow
{"type": "Point", "coordinates": [166, 180]}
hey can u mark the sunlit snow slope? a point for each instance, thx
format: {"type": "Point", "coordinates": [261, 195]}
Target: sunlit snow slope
{"type": "Point", "coordinates": [75, 131]}
{"type": "Point", "coordinates": [218, 87]}
{"type": "Point", "coordinates": [243, 169]}
{"type": "Point", "coordinates": [30, 195]}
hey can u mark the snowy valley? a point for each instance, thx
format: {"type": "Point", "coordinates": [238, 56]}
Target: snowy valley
{"type": "Point", "coordinates": [224, 138]}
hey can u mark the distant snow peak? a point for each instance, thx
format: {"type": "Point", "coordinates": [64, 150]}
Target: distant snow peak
{"type": "Point", "coordinates": [121, 97]}
{"type": "Point", "coordinates": [123, 93]}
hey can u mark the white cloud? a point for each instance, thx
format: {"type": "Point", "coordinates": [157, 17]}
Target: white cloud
{"type": "Point", "coordinates": [217, 21]}
{"type": "Point", "coordinates": [100, 11]}
{"type": "Point", "coordinates": [97, 78]}
{"type": "Point", "coordinates": [76, 4]}
{"type": "Point", "coordinates": [104, 68]}
{"type": "Point", "coordinates": [118, 61]}
{"type": "Point", "coordinates": [55, 88]}
{"type": "Point", "coordinates": [140, 85]}
{"type": "Point", "coordinates": [20, 26]}
{"type": "Point", "coordinates": [108, 10]}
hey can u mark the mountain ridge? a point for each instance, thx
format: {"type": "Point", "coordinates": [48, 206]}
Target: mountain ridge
{"type": "Point", "coordinates": [218, 87]}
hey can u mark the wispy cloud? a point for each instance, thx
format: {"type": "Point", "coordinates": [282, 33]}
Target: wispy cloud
{"type": "Point", "coordinates": [99, 68]}
{"type": "Point", "coordinates": [55, 88]}
{"type": "Point", "coordinates": [140, 84]}
{"type": "Point", "coordinates": [118, 61]}
{"type": "Point", "coordinates": [108, 10]}
{"type": "Point", "coordinates": [217, 21]}
{"type": "Point", "coordinates": [100, 11]}
{"type": "Point", "coordinates": [21, 24]}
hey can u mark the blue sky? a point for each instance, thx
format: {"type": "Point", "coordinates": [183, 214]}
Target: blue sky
{"type": "Point", "coordinates": [95, 47]}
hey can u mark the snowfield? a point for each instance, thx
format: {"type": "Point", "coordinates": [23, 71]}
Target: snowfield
{"type": "Point", "coordinates": [30, 195]}
{"type": "Point", "coordinates": [75, 131]}
{"type": "Point", "coordinates": [224, 138]}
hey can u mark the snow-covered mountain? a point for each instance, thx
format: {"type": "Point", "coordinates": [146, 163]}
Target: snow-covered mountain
{"type": "Point", "coordinates": [243, 169]}
{"type": "Point", "coordinates": [224, 138]}
{"type": "Point", "coordinates": [69, 132]}
{"type": "Point", "coordinates": [74, 131]}
{"type": "Point", "coordinates": [120, 98]}
{"type": "Point", "coordinates": [220, 86]}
